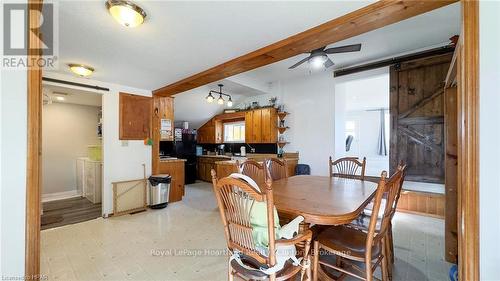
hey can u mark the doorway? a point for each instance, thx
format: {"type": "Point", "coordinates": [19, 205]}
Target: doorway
{"type": "Point", "coordinates": [71, 156]}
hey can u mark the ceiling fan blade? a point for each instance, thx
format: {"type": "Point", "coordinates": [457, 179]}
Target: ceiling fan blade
{"type": "Point", "coordinates": [344, 49]}
{"type": "Point", "coordinates": [328, 63]}
{"type": "Point", "coordinates": [299, 63]}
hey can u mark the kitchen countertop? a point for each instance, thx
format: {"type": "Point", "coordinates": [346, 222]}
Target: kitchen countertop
{"type": "Point", "coordinates": [173, 160]}
{"type": "Point", "coordinates": [216, 156]}
{"type": "Point", "coordinates": [233, 161]}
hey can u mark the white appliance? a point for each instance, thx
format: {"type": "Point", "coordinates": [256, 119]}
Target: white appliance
{"type": "Point", "coordinates": [89, 179]}
{"type": "Point", "coordinates": [243, 151]}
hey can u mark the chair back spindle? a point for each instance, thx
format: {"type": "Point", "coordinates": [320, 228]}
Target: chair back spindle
{"type": "Point", "coordinates": [277, 168]}
{"type": "Point", "coordinates": [388, 189]}
{"type": "Point", "coordinates": [254, 170]}
{"type": "Point", "coordinates": [348, 167]}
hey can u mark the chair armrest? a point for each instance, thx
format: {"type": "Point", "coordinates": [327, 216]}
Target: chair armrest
{"type": "Point", "coordinates": [301, 237]}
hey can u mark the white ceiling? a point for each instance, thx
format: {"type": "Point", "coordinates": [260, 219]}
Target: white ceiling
{"type": "Point", "coordinates": [72, 96]}
{"type": "Point", "coordinates": [191, 105]}
{"type": "Point", "coordinates": [180, 38]}
{"type": "Point", "coordinates": [426, 30]}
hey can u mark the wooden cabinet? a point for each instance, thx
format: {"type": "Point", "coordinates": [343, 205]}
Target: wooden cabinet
{"type": "Point", "coordinates": [224, 169]}
{"type": "Point", "coordinates": [135, 117]}
{"type": "Point", "coordinates": [261, 126]}
{"type": "Point", "coordinates": [205, 166]}
{"type": "Point", "coordinates": [211, 132]}
{"type": "Point", "coordinates": [176, 170]}
{"type": "Point", "coordinates": [249, 126]}
{"type": "Point", "coordinates": [163, 108]}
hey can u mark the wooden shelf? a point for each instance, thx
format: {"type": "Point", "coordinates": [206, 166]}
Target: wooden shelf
{"type": "Point", "coordinates": [283, 129]}
{"type": "Point", "coordinates": [282, 115]}
{"type": "Point", "coordinates": [281, 144]}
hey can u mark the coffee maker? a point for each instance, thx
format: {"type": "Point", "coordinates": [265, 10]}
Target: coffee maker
{"type": "Point", "coordinates": [219, 150]}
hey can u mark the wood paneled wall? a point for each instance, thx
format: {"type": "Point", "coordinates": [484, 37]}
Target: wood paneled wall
{"type": "Point", "coordinates": [422, 203]}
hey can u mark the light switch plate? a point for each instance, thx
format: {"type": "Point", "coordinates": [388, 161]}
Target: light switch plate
{"type": "Point", "coordinates": [124, 143]}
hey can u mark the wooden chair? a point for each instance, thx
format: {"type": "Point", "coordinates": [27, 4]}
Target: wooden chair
{"type": "Point", "coordinates": [254, 170]}
{"type": "Point", "coordinates": [277, 168]}
{"type": "Point", "coordinates": [235, 199]}
{"type": "Point", "coordinates": [363, 221]}
{"type": "Point", "coordinates": [368, 247]}
{"type": "Point", "coordinates": [348, 167]}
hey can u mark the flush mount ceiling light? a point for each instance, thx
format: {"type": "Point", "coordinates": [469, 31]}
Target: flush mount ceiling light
{"type": "Point", "coordinates": [80, 69]}
{"type": "Point", "coordinates": [210, 98]}
{"type": "Point", "coordinates": [126, 13]}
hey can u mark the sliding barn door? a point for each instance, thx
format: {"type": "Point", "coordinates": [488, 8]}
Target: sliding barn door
{"type": "Point", "coordinates": [417, 117]}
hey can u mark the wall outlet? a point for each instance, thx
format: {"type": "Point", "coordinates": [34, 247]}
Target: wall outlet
{"type": "Point", "coordinates": [125, 143]}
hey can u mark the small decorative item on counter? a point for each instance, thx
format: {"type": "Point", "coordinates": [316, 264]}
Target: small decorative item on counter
{"type": "Point", "coordinates": [281, 108]}
{"type": "Point", "coordinates": [255, 104]}
{"type": "Point", "coordinates": [282, 123]}
{"type": "Point", "coordinates": [148, 141]}
{"type": "Point", "coordinates": [282, 139]}
{"type": "Point", "coordinates": [272, 101]}
{"type": "Point", "coordinates": [280, 152]}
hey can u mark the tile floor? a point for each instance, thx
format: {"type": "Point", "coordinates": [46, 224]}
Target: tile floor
{"type": "Point", "coordinates": [185, 241]}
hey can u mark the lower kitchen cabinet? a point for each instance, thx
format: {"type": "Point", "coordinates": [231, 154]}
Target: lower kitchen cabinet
{"type": "Point", "coordinates": [175, 168]}
{"type": "Point", "coordinates": [205, 166]}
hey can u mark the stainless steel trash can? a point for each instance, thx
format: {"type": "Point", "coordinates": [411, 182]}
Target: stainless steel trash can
{"type": "Point", "coordinates": [159, 190]}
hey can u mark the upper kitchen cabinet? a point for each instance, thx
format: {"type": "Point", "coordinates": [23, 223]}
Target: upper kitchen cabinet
{"type": "Point", "coordinates": [135, 117]}
{"type": "Point", "coordinates": [261, 126]}
{"type": "Point", "coordinates": [211, 132]}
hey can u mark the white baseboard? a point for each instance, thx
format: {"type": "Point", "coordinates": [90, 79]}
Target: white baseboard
{"type": "Point", "coordinates": [60, 195]}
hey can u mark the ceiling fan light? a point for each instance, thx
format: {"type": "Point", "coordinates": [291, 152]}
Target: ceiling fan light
{"type": "Point", "coordinates": [80, 69]}
{"type": "Point", "coordinates": [220, 100]}
{"type": "Point", "coordinates": [318, 61]}
{"type": "Point", "coordinates": [126, 13]}
{"type": "Point", "coordinates": [210, 98]}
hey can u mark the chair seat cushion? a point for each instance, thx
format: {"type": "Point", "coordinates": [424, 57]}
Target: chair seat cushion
{"type": "Point", "coordinates": [346, 241]}
{"type": "Point", "coordinates": [362, 222]}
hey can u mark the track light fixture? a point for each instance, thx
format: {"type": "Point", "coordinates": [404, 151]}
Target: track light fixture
{"type": "Point", "coordinates": [210, 98]}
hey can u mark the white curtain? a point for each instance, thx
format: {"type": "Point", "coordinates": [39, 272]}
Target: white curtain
{"type": "Point", "coordinates": [382, 146]}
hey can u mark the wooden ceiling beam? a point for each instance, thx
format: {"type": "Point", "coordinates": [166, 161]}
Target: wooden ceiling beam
{"type": "Point", "coordinates": [371, 17]}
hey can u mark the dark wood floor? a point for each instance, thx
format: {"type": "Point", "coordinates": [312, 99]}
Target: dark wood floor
{"type": "Point", "coordinates": [69, 211]}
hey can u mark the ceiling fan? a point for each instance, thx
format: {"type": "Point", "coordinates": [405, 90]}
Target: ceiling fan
{"type": "Point", "coordinates": [319, 57]}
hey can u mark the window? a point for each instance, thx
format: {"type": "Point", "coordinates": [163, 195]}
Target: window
{"type": "Point", "coordinates": [234, 132]}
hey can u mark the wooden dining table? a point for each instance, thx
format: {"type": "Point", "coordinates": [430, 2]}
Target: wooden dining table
{"type": "Point", "coordinates": [322, 200]}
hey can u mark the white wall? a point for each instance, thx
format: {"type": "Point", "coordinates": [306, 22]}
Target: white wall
{"type": "Point", "coordinates": [310, 102]}
{"type": "Point", "coordinates": [489, 138]}
{"type": "Point", "coordinates": [355, 95]}
{"type": "Point", "coordinates": [122, 160]}
{"type": "Point", "coordinates": [13, 142]}
{"type": "Point", "coordinates": [67, 130]}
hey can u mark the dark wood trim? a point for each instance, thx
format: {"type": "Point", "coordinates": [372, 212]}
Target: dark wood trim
{"type": "Point", "coordinates": [34, 149]}
{"type": "Point", "coordinates": [75, 84]}
{"type": "Point", "coordinates": [468, 143]}
{"type": "Point", "coordinates": [371, 17]}
{"type": "Point", "coordinates": [396, 60]}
